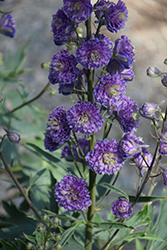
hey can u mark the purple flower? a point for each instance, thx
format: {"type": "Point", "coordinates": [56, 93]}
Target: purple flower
{"type": "Point", "coordinates": [121, 208]}
{"type": "Point", "coordinates": [142, 160]}
{"type": "Point", "coordinates": [50, 144]}
{"type": "Point", "coordinates": [153, 72]}
{"type": "Point", "coordinates": [123, 56]}
{"type": "Point", "coordinates": [164, 80]}
{"type": "Point", "coordinates": [58, 130]}
{"type": "Point", "coordinates": [78, 10]}
{"type": "Point", "coordinates": [130, 145]}
{"type": "Point", "coordinates": [163, 148]}
{"type": "Point", "coordinates": [84, 145]}
{"type": "Point", "coordinates": [71, 193]}
{"type": "Point", "coordinates": [127, 74]}
{"type": "Point", "coordinates": [105, 158]}
{"type": "Point", "coordinates": [116, 16]}
{"type": "Point", "coordinates": [85, 118]}
{"type": "Point", "coordinates": [94, 53]}
{"type": "Point", "coordinates": [165, 178]}
{"type": "Point", "coordinates": [110, 90]}
{"type": "Point", "coordinates": [127, 114]}
{"type": "Point", "coordinates": [63, 68]}
{"type": "Point", "coordinates": [101, 9]}
{"type": "Point", "coordinates": [13, 137]}
{"type": "Point", "coordinates": [62, 27]}
{"type": "Point", "coordinates": [7, 25]}
{"type": "Point", "coordinates": [147, 110]}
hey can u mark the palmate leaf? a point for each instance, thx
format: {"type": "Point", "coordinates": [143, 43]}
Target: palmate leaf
{"type": "Point", "coordinates": [19, 221]}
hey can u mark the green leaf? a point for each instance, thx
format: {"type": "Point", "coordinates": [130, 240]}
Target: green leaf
{"type": "Point", "coordinates": [66, 236]}
{"type": "Point", "coordinates": [44, 153]}
{"type": "Point", "coordinates": [73, 244]}
{"type": "Point", "coordinates": [64, 217]}
{"type": "Point", "coordinates": [114, 189]}
{"type": "Point", "coordinates": [147, 198]}
{"type": "Point", "coordinates": [104, 179]}
{"type": "Point", "coordinates": [21, 243]}
{"type": "Point", "coordinates": [37, 176]}
{"type": "Point", "coordinates": [30, 238]}
{"type": "Point", "coordinates": [139, 245]}
{"type": "Point", "coordinates": [151, 237]}
{"type": "Point", "coordinates": [7, 246]}
{"type": "Point", "coordinates": [109, 225]}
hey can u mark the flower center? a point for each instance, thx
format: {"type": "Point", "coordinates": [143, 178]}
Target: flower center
{"type": "Point", "coordinates": [114, 90]}
{"type": "Point", "coordinates": [84, 118]}
{"type": "Point", "coordinates": [58, 66]}
{"type": "Point", "coordinates": [94, 56]}
{"type": "Point", "coordinates": [54, 124]}
{"type": "Point", "coordinates": [109, 159]}
{"type": "Point", "coordinates": [77, 6]}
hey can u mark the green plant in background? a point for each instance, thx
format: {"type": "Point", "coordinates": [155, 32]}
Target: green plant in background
{"type": "Point", "coordinates": [65, 168]}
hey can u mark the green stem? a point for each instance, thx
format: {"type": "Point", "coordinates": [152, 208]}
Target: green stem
{"type": "Point", "coordinates": [19, 186]}
{"type": "Point", "coordinates": [28, 102]}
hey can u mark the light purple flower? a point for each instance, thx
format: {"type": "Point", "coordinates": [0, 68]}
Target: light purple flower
{"type": "Point", "coordinates": [78, 10]}
{"type": "Point", "coordinates": [62, 27]}
{"type": "Point", "coordinates": [148, 110]}
{"type": "Point", "coordinates": [110, 90]}
{"type": "Point", "coordinates": [71, 193]}
{"type": "Point", "coordinates": [127, 114]}
{"type": "Point", "coordinates": [121, 208]}
{"type": "Point", "coordinates": [58, 130]}
{"type": "Point", "coordinates": [94, 53]}
{"type": "Point", "coordinates": [105, 158]}
{"type": "Point", "coordinates": [7, 25]}
{"type": "Point", "coordinates": [123, 56]}
{"type": "Point", "coordinates": [116, 16]}
{"type": "Point", "coordinates": [63, 68]}
{"type": "Point", "coordinates": [85, 118]}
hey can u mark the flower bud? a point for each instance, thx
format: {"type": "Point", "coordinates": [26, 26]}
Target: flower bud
{"type": "Point", "coordinates": [147, 110]}
{"type": "Point", "coordinates": [165, 178]}
{"type": "Point", "coordinates": [164, 80]}
{"type": "Point", "coordinates": [13, 137]}
{"type": "Point", "coordinates": [165, 61]}
{"type": "Point", "coordinates": [57, 247]}
{"type": "Point", "coordinates": [58, 237]}
{"type": "Point", "coordinates": [153, 72]}
{"type": "Point", "coordinates": [121, 208]}
{"type": "Point", "coordinates": [7, 25]}
{"type": "Point", "coordinates": [127, 74]}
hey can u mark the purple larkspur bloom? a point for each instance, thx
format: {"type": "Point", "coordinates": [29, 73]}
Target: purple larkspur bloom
{"type": "Point", "coordinates": [63, 68]}
{"type": "Point", "coordinates": [105, 158]}
{"type": "Point", "coordinates": [7, 25]}
{"type": "Point", "coordinates": [130, 145]}
{"type": "Point", "coordinates": [142, 160]}
{"type": "Point", "coordinates": [13, 137]}
{"type": "Point", "coordinates": [116, 16]}
{"type": "Point", "coordinates": [127, 114]}
{"type": "Point", "coordinates": [163, 148]}
{"type": "Point", "coordinates": [148, 110]}
{"type": "Point", "coordinates": [62, 27]}
{"type": "Point", "coordinates": [110, 90]}
{"type": "Point", "coordinates": [100, 10]}
{"type": "Point", "coordinates": [84, 145]}
{"type": "Point", "coordinates": [94, 53]}
{"type": "Point", "coordinates": [78, 10]}
{"type": "Point", "coordinates": [123, 56]}
{"type": "Point", "coordinates": [71, 193]}
{"type": "Point", "coordinates": [121, 208]}
{"type": "Point", "coordinates": [127, 74]}
{"type": "Point", "coordinates": [85, 118]}
{"type": "Point", "coordinates": [57, 128]}
{"type": "Point", "coordinates": [49, 144]}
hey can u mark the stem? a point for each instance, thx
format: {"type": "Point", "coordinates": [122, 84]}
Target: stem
{"type": "Point", "coordinates": [31, 100]}
{"type": "Point", "coordinates": [91, 211]}
{"type": "Point", "coordinates": [19, 186]}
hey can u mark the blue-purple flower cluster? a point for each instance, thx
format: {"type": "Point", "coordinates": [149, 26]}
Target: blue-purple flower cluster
{"type": "Point", "coordinates": [121, 208]}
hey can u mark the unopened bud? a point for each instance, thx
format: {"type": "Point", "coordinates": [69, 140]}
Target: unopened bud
{"type": "Point", "coordinates": [58, 237]}
{"type": "Point", "coordinates": [57, 247]}
{"type": "Point", "coordinates": [165, 61]}
{"type": "Point", "coordinates": [13, 137]}
{"type": "Point", "coordinates": [164, 80]}
{"type": "Point", "coordinates": [153, 72]}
